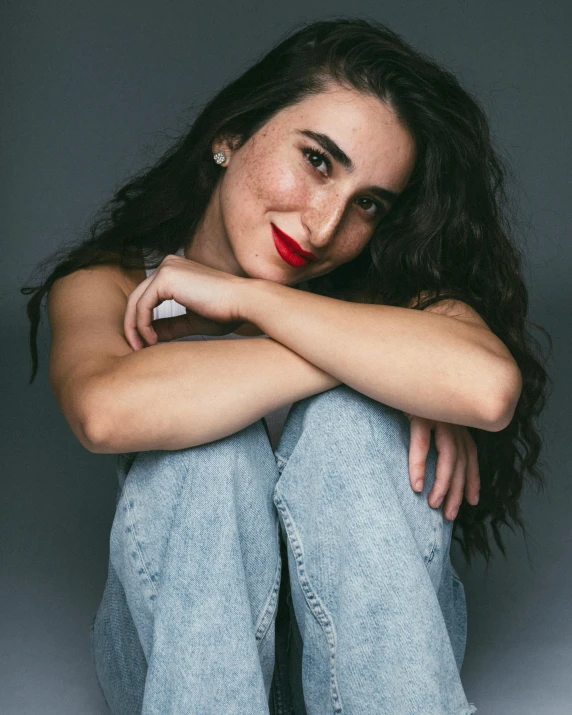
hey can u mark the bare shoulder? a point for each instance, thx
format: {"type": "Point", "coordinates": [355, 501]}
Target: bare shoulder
{"type": "Point", "coordinates": [454, 309]}
{"type": "Point", "coordinates": [87, 304]}
{"type": "Point", "coordinates": [85, 311]}
{"type": "Point", "coordinates": [101, 276]}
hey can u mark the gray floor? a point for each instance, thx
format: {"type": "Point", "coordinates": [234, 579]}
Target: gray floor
{"type": "Point", "coordinates": [58, 502]}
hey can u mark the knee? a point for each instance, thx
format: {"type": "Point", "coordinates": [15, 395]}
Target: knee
{"type": "Point", "coordinates": [156, 483]}
{"type": "Point", "coordinates": [346, 461]}
{"type": "Point", "coordinates": [349, 432]}
{"type": "Point", "coordinates": [231, 478]}
{"type": "Point", "coordinates": [159, 472]}
{"type": "Point", "coordinates": [344, 415]}
{"type": "Point", "coordinates": [356, 450]}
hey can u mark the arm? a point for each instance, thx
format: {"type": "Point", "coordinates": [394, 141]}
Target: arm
{"type": "Point", "coordinates": [168, 396]}
{"type": "Point", "coordinates": [447, 368]}
{"type": "Point", "coordinates": [178, 395]}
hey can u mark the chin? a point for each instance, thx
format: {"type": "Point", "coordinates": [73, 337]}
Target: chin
{"type": "Point", "coordinates": [270, 271]}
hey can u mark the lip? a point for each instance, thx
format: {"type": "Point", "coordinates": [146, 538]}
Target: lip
{"type": "Point", "coordinates": [289, 250]}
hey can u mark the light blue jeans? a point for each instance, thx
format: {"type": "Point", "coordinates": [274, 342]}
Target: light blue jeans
{"type": "Point", "coordinates": [198, 617]}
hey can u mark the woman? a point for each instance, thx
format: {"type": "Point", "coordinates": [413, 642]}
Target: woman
{"type": "Point", "coordinates": [340, 209]}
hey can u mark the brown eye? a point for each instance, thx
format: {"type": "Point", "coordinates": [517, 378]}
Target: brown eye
{"type": "Point", "coordinates": [372, 204]}
{"type": "Point", "coordinates": [315, 158]}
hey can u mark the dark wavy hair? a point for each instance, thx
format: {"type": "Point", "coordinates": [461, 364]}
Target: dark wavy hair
{"type": "Point", "coordinates": [448, 235]}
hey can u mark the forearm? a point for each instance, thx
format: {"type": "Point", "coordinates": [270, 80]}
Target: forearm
{"type": "Point", "coordinates": [181, 394]}
{"type": "Point", "coordinates": [425, 364]}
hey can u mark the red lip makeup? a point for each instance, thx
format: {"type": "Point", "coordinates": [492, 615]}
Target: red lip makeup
{"type": "Point", "coordinates": [289, 250]}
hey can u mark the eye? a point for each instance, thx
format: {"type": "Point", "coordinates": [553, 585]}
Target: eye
{"type": "Point", "coordinates": [377, 208]}
{"type": "Point", "coordinates": [313, 154]}
{"type": "Point", "coordinates": [316, 158]}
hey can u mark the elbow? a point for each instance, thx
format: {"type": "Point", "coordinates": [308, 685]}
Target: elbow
{"type": "Point", "coordinates": [96, 433]}
{"type": "Point", "coordinates": [501, 412]}
{"type": "Point", "coordinates": [94, 436]}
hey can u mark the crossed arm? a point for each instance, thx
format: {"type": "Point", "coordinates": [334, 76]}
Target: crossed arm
{"type": "Point", "coordinates": [443, 363]}
{"type": "Point", "coordinates": [443, 367]}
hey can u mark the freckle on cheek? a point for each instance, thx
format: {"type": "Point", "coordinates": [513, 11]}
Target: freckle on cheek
{"type": "Point", "coordinates": [268, 178]}
{"type": "Point", "coordinates": [274, 186]}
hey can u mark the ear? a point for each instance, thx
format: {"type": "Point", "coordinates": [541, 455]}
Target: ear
{"type": "Point", "coordinates": [227, 144]}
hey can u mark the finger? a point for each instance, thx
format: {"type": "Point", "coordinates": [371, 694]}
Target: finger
{"type": "Point", "coordinates": [419, 444]}
{"type": "Point", "coordinates": [455, 494]}
{"type": "Point", "coordinates": [473, 479]}
{"type": "Point", "coordinates": [446, 459]}
{"type": "Point", "coordinates": [150, 298]}
{"type": "Point", "coordinates": [130, 318]}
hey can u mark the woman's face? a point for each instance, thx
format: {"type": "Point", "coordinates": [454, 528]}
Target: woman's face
{"type": "Point", "coordinates": [329, 205]}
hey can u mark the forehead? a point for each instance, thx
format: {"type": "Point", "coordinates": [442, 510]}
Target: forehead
{"type": "Point", "coordinates": [351, 110]}
{"type": "Point", "coordinates": [362, 125]}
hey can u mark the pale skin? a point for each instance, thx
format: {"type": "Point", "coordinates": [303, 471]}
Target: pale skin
{"type": "Point", "coordinates": [443, 366]}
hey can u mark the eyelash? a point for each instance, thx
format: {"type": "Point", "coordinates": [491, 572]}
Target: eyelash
{"type": "Point", "coordinates": [308, 151]}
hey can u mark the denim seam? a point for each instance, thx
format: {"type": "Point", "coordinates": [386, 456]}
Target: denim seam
{"type": "Point", "coordinates": [314, 602]}
{"type": "Point", "coordinates": [280, 462]}
{"type": "Point", "coordinates": [133, 530]}
{"type": "Point", "coordinates": [278, 699]}
{"type": "Point", "coordinates": [271, 602]}
{"type": "Point", "coordinates": [438, 527]}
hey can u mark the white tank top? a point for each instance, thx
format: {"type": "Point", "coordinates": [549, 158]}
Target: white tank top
{"type": "Point", "coordinates": [170, 308]}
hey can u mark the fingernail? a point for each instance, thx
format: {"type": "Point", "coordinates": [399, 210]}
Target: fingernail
{"type": "Point", "coordinates": [454, 514]}
{"type": "Point", "coordinates": [419, 485]}
{"type": "Point", "coordinates": [437, 504]}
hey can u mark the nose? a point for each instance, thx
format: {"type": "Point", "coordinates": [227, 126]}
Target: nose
{"type": "Point", "coordinates": [323, 218]}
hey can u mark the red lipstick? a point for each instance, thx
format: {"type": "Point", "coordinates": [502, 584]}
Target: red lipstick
{"type": "Point", "coordinates": [289, 250]}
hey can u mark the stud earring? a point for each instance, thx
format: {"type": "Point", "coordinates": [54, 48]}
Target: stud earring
{"type": "Point", "coordinates": [219, 157]}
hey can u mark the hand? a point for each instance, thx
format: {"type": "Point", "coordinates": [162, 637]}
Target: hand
{"type": "Point", "coordinates": [212, 299]}
{"type": "Point", "coordinates": [457, 470]}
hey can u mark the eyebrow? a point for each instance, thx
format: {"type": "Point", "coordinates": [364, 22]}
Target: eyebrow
{"type": "Point", "coordinates": [327, 143]}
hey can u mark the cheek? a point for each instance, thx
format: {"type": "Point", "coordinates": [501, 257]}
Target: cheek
{"type": "Point", "coordinates": [273, 185]}
{"type": "Point", "coordinates": [356, 236]}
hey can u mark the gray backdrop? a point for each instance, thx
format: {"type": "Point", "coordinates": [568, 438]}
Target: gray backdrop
{"type": "Point", "coordinates": [91, 92]}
